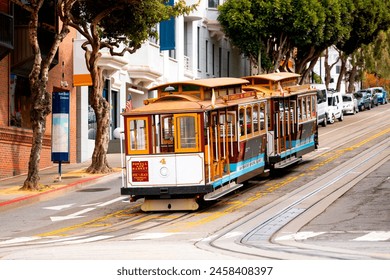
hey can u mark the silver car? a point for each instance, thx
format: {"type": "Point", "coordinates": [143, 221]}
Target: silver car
{"type": "Point", "coordinates": [350, 104]}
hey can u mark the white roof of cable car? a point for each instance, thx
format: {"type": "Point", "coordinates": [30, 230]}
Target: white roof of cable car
{"type": "Point", "coordinates": [212, 82]}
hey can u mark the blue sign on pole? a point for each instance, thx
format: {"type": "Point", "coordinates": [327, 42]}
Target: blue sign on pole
{"type": "Point", "coordinates": [60, 127]}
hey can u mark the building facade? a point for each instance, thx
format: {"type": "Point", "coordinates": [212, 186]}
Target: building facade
{"type": "Point", "coordinates": [333, 59]}
{"type": "Point", "coordinates": [201, 51]}
{"type": "Point", "coordinates": [16, 60]}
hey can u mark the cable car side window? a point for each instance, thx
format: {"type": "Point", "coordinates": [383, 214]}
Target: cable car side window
{"type": "Point", "coordinates": [167, 130]}
{"type": "Point", "coordinates": [256, 118]}
{"type": "Point", "coordinates": [242, 122]}
{"type": "Point", "coordinates": [248, 120]}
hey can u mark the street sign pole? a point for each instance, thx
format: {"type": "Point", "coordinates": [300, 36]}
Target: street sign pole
{"type": "Point", "coordinates": [60, 129]}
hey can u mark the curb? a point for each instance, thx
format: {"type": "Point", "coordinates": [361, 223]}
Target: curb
{"type": "Point", "coordinates": [44, 195]}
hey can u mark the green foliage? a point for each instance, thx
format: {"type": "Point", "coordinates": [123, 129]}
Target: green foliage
{"type": "Point", "coordinates": [124, 21]}
{"type": "Point", "coordinates": [377, 56]}
{"type": "Point", "coordinates": [242, 25]}
{"type": "Point", "coordinates": [277, 26]}
{"type": "Point", "coordinates": [367, 18]}
{"type": "Point", "coordinates": [317, 78]}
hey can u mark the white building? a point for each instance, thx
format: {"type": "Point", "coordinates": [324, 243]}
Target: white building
{"type": "Point", "coordinates": [201, 51]}
{"type": "Point", "coordinates": [319, 69]}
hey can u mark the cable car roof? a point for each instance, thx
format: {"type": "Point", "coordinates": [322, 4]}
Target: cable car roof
{"type": "Point", "coordinates": [275, 77]}
{"type": "Point", "coordinates": [210, 83]}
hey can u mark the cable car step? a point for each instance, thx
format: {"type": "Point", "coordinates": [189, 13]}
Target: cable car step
{"type": "Point", "coordinates": [222, 191]}
{"type": "Point", "coordinates": [287, 162]}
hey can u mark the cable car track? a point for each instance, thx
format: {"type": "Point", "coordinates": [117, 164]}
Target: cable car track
{"type": "Point", "coordinates": [278, 218]}
{"type": "Point", "coordinates": [239, 246]}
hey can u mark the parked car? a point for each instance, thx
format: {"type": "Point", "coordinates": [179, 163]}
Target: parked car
{"type": "Point", "coordinates": [322, 104]}
{"type": "Point", "coordinates": [373, 97]}
{"type": "Point", "coordinates": [350, 104]}
{"type": "Point", "coordinates": [364, 101]}
{"type": "Point", "coordinates": [381, 94]}
{"type": "Point", "coordinates": [335, 107]}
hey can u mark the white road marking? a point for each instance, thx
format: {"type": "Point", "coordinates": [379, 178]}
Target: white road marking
{"type": "Point", "coordinates": [374, 236]}
{"type": "Point", "coordinates": [153, 235]}
{"type": "Point", "coordinates": [110, 201]}
{"type": "Point", "coordinates": [59, 207]}
{"type": "Point", "coordinates": [77, 214]}
{"type": "Point", "coordinates": [54, 240]}
{"type": "Point", "coordinates": [231, 235]}
{"type": "Point", "coordinates": [17, 240]}
{"type": "Point", "coordinates": [90, 239]}
{"type": "Point", "coordinates": [299, 236]}
{"type": "Point", "coordinates": [71, 216]}
{"type": "Point", "coordinates": [206, 239]}
{"type": "Point", "coordinates": [90, 204]}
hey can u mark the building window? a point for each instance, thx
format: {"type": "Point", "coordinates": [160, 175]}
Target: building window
{"type": "Point", "coordinates": [20, 102]}
{"type": "Point", "coordinates": [220, 62]}
{"type": "Point", "coordinates": [213, 58]}
{"type": "Point", "coordinates": [213, 3]}
{"type": "Point", "coordinates": [92, 125]}
{"type": "Point", "coordinates": [198, 47]}
{"type": "Point", "coordinates": [154, 39]}
{"type": "Point", "coordinates": [186, 28]}
{"type": "Point", "coordinates": [338, 67]}
{"type": "Point", "coordinates": [172, 54]}
{"type": "Point", "coordinates": [207, 56]}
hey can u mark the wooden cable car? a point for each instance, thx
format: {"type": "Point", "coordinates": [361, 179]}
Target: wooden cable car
{"type": "Point", "coordinates": [201, 139]}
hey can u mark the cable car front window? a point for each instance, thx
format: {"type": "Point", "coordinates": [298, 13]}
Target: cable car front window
{"type": "Point", "coordinates": [138, 135]}
{"type": "Point", "coordinates": [187, 132]}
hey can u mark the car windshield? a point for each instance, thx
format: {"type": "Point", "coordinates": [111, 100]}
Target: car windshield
{"type": "Point", "coordinates": [347, 98]}
{"type": "Point", "coordinates": [331, 101]}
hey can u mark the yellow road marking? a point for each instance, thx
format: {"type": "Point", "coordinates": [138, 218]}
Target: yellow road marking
{"type": "Point", "coordinates": [92, 223]}
{"type": "Point", "coordinates": [236, 205]}
{"type": "Point", "coordinates": [211, 216]}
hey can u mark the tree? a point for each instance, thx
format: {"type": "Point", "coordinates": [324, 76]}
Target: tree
{"type": "Point", "coordinates": [120, 26]}
{"type": "Point", "coordinates": [275, 28]}
{"type": "Point", "coordinates": [328, 68]}
{"type": "Point", "coordinates": [377, 56]}
{"type": "Point", "coordinates": [38, 79]}
{"type": "Point", "coordinates": [330, 23]}
{"type": "Point", "coordinates": [367, 19]}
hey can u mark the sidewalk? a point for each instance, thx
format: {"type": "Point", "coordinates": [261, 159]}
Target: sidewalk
{"type": "Point", "coordinates": [73, 176]}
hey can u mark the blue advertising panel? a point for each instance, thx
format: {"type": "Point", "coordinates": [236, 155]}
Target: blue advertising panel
{"type": "Point", "coordinates": [60, 126]}
{"type": "Point", "coordinates": [167, 32]}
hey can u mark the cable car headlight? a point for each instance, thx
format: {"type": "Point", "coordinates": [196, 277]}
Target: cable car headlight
{"type": "Point", "coordinates": [164, 171]}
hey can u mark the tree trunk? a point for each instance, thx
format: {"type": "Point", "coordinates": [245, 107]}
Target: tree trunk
{"type": "Point", "coordinates": [351, 79]}
{"type": "Point", "coordinates": [101, 107]}
{"type": "Point", "coordinates": [41, 105]}
{"type": "Point", "coordinates": [327, 69]}
{"type": "Point", "coordinates": [41, 109]}
{"type": "Point", "coordinates": [99, 162]}
{"type": "Point", "coordinates": [38, 79]}
{"type": "Point", "coordinates": [342, 72]}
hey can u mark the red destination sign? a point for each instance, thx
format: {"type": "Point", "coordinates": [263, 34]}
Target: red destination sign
{"type": "Point", "coordinates": [140, 171]}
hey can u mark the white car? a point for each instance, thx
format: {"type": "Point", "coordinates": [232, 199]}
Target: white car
{"type": "Point", "coordinates": [350, 104]}
{"type": "Point", "coordinates": [322, 104]}
{"type": "Point", "coordinates": [335, 107]}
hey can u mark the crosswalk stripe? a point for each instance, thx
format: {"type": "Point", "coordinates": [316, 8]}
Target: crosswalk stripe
{"type": "Point", "coordinates": [374, 236]}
